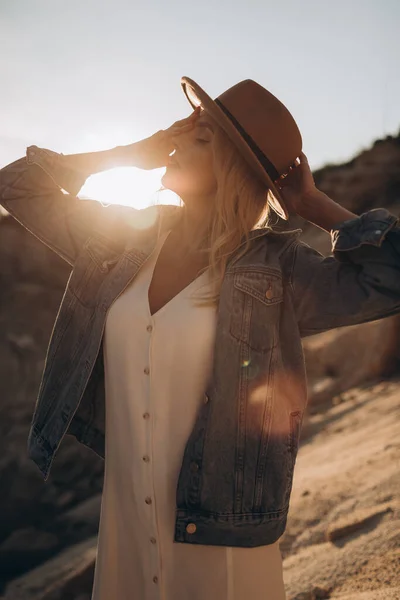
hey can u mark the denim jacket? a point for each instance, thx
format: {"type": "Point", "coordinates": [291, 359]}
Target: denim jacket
{"type": "Point", "coordinates": [237, 468]}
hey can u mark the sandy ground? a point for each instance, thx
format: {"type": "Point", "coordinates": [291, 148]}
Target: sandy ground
{"type": "Point", "coordinates": [343, 533]}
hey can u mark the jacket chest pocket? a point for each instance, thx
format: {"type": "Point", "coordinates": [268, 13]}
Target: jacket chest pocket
{"type": "Point", "coordinates": [91, 268]}
{"type": "Point", "coordinates": [256, 308]}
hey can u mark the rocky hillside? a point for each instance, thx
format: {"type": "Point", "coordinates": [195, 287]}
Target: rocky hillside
{"type": "Point", "coordinates": [343, 530]}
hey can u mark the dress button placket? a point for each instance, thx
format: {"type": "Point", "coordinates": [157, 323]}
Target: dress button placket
{"type": "Point", "coordinates": [147, 458]}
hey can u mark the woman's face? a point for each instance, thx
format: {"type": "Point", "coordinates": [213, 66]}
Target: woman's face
{"type": "Point", "coordinates": [190, 173]}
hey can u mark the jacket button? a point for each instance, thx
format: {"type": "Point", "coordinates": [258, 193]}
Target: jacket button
{"type": "Point", "coordinates": [194, 467]}
{"type": "Point", "coordinates": [148, 500]}
{"type": "Point", "coordinates": [191, 528]}
{"type": "Point", "coordinates": [153, 540]}
{"type": "Point", "coordinates": [269, 293]}
{"type": "Point", "coordinates": [146, 458]}
{"type": "Point", "coordinates": [146, 415]}
{"type": "Point", "coordinates": [155, 579]}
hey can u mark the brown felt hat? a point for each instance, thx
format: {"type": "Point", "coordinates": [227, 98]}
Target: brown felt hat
{"type": "Point", "coordinates": [260, 126]}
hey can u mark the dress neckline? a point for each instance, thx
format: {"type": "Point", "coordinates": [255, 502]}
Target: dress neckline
{"type": "Point", "coordinates": [157, 251]}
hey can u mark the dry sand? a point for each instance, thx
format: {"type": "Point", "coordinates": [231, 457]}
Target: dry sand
{"type": "Point", "coordinates": [343, 533]}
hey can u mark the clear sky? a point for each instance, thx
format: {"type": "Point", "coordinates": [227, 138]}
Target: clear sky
{"type": "Point", "coordinates": [83, 75]}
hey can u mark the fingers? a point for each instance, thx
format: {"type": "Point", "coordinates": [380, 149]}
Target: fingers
{"type": "Point", "coordinates": [183, 125]}
{"type": "Point", "coordinates": [195, 113]}
{"type": "Point", "coordinates": [303, 158]}
{"type": "Point", "coordinates": [188, 120]}
{"type": "Point", "coordinates": [179, 130]}
{"type": "Point", "coordinates": [181, 122]}
{"type": "Point", "coordinates": [173, 131]}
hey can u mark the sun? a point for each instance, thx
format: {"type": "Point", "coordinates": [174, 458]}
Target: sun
{"type": "Point", "coordinates": [128, 186]}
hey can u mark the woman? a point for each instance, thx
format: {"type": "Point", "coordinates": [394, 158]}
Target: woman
{"type": "Point", "coordinates": [195, 400]}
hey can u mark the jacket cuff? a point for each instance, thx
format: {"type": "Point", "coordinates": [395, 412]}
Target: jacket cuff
{"type": "Point", "coordinates": [56, 166]}
{"type": "Point", "coordinates": [370, 227]}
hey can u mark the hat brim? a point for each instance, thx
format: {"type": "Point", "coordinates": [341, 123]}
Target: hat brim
{"type": "Point", "coordinates": [198, 97]}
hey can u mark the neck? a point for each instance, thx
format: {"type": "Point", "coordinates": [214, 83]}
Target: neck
{"type": "Point", "coordinates": [193, 226]}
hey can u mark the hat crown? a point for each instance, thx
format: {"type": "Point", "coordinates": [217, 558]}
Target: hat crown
{"type": "Point", "coordinates": [266, 120]}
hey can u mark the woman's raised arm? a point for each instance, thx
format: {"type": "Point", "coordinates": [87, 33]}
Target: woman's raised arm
{"type": "Point", "coordinates": [361, 281]}
{"type": "Point", "coordinates": [31, 191]}
{"type": "Point", "coordinates": [31, 188]}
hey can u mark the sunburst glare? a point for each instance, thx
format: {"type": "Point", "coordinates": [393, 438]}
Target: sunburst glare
{"type": "Point", "coordinates": [128, 186]}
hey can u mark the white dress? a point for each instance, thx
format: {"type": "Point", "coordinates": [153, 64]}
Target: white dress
{"type": "Point", "coordinates": [156, 369]}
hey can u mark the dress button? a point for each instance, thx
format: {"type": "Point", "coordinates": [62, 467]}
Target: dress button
{"type": "Point", "coordinates": [191, 528]}
{"type": "Point", "coordinates": [146, 415]}
{"type": "Point", "coordinates": [155, 579]}
{"type": "Point", "coordinates": [146, 458]}
{"type": "Point", "coordinates": [148, 500]}
{"type": "Point", "coordinates": [146, 370]}
{"type": "Point", "coordinates": [153, 540]}
{"type": "Point", "coordinates": [194, 467]}
{"type": "Point", "coordinates": [149, 328]}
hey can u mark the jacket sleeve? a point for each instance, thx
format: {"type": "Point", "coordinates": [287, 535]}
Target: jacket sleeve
{"type": "Point", "coordinates": [31, 190]}
{"type": "Point", "coordinates": [360, 282]}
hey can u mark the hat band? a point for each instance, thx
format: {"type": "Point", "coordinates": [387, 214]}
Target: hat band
{"type": "Point", "coordinates": [264, 160]}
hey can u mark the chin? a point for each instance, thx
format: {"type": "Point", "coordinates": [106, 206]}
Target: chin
{"type": "Point", "coordinates": [173, 181]}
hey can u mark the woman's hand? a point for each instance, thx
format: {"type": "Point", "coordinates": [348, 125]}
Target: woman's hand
{"type": "Point", "coordinates": [153, 152]}
{"type": "Point", "coordinates": [303, 198]}
{"type": "Point", "coordinates": [150, 153]}
{"type": "Point", "coordinates": [297, 186]}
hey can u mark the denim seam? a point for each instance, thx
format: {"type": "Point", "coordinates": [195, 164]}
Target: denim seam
{"type": "Point", "coordinates": [69, 259]}
{"type": "Point", "coordinates": [9, 187]}
{"type": "Point", "coordinates": [47, 170]}
{"type": "Point", "coordinates": [273, 514]}
{"type": "Point", "coordinates": [292, 249]}
{"type": "Point", "coordinates": [338, 234]}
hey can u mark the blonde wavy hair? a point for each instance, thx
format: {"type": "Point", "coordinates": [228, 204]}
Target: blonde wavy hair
{"type": "Point", "coordinates": [240, 206]}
